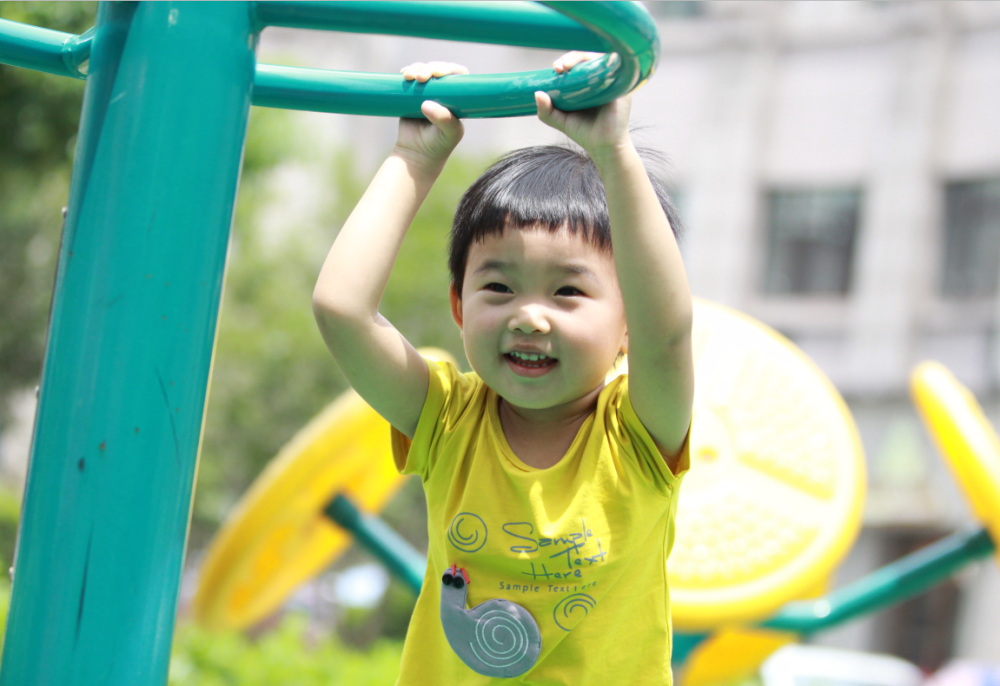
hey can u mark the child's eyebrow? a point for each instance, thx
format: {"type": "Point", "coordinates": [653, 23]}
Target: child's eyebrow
{"type": "Point", "coordinates": [578, 270]}
{"type": "Point", "coordinates": [489, 265]}
{"type": "Point", "coordinates": [504, 266]}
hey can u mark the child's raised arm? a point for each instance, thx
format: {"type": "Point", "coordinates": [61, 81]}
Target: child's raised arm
{"type": "Point", "coordinates": [379, 363]}
{"type": "Point", "coordinates": [654, 286]}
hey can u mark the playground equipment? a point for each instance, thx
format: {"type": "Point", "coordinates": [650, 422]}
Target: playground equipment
{"type": "Point", "coordinates": [772, 504]}
{"type": "Point", "coordinates": [140, 273]}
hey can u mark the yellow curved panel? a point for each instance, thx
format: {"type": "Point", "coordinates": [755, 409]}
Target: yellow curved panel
{"type": "Point", "coordinates": [734, 654]}
{"type": "Point", "coordinates": [775, 494]}
{"type": "Point", "coordinates": [731, 656]}
{"type": "Point", "coordinates": [277, 535]}
{"type": "Point", "coordinates": [964, 436]}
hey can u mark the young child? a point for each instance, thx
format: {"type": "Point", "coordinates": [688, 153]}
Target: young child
{"type": "Point", "coordinates": [550, 495]}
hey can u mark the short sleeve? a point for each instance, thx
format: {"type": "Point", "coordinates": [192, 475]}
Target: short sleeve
{"type": "Point", "coordinates": [449, 394]}
{"type": "Point", "coordinates": [635, 439]}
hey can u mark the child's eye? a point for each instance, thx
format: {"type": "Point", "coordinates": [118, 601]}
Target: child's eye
{"type": "Point", "coordinates": [569, 290]}
{"type": "Point", "coordinates": [497, 288]}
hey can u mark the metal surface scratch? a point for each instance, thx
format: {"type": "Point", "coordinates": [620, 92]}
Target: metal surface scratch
{"type": "Point", "coordinates": [83, 587]}
{"type": "Point", "coordinates": [173, 424]}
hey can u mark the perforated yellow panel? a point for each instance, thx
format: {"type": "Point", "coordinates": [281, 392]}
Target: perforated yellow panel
{"type": "Point", "coordinates": [277, 536]}
{"type": "Point", "coordinates": [965, 438]}
{"type": "Point", "coordinates": [774, 497]}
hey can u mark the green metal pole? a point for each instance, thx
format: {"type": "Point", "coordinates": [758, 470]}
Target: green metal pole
{"type": "Point", "coordinates": [902, 579]}
{"type": "Point", "coordinates": [130, 344]}
{"type": "Point", "coordinates": [380, 540]}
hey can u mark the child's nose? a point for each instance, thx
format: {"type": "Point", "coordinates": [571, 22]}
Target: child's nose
{"type": "Point", "coordinates": [530, 319]}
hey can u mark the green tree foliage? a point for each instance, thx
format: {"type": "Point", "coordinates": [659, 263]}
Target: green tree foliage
{"type": "Point", "coordinates": [272, 370]}
{"type": "Point", "coordinates": [286, 656]}
{"type": "Point", "coordinates": [38, 122]}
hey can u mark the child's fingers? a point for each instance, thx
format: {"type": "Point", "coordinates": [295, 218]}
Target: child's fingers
{"type": "Point", "coordinates": [441, 116]}
{"type": "Point", "coordinates": [447, 68]}
{"type": "Point", "coordinates": [547, 111]}
{"type": "Point", "coordinates": [571, 59]}
{"type": "Point", "coordinates": [423, 72]}
{"type": "Point", "coordinates": [409, 72]}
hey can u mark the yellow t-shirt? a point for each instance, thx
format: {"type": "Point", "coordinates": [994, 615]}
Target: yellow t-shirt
{"type": "Point", "coordinates": [582, 545]}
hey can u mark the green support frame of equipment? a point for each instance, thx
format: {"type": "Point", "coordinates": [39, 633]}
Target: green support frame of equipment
{"type": "Point", "coordinates": [141, 269]}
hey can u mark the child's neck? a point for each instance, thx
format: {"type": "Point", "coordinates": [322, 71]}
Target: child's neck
{"type": "Point", "coordinates": [540, 438]}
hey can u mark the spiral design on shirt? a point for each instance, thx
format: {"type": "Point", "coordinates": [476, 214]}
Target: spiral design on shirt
{"type": "Point", "coordinates": [467, 532]}
{"type": "Point", "coordinates": [501, 639]}
{"type": "Point", "coordinates": [569, 605]}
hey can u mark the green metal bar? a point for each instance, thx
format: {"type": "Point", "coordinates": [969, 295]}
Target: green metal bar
{"type": "Point", "coordinates": [622, 28]}
{"type": "Point", "coordinates": [52, 52]}
{"type": "Point", "coordinates": [138, 284]}
{"type": "Point", "coordinates": [891, 584]}
{"type": "Point", "coordinates": [626, 27]}
{"type": "Point", "coordinates": [683, 646]}
{"type": "Point", "coordinates": [380, 540]}
{"type": "Point", "coordinates": [527, 24]}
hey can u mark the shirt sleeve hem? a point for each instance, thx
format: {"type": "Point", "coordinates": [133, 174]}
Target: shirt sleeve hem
{"type": "Point", "coordinates": [671, 478]}
{"type": "Point", "coordinates": [402, 446]}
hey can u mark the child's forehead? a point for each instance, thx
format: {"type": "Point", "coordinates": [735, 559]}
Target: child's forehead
{"type": "Point", "coordinates": [536, 244]}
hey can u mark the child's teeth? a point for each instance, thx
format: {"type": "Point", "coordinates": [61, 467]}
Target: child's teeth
{"type": "Point", "coordinates": [528, 357]}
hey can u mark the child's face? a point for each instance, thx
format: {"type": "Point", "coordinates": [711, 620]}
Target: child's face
{"type": "Point", "coordinates": [533, 292]}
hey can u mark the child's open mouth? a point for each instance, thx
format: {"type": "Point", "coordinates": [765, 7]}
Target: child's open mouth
{"type": "Point", "coordinates": [529, 364]}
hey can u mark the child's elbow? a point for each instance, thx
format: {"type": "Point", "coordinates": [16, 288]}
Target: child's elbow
{"type": "Point", "coordinates": [327, 309]}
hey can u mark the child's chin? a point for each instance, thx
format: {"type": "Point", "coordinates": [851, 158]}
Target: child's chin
{"type": "Point", "coordinates": [532, 401]}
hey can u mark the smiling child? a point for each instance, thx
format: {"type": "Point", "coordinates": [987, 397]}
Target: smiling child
{"type": "Point", "coordinates": [551, 495]}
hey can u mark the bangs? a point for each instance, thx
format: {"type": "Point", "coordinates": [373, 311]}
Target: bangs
{"type": "Point", "coordinates": [545, 187]}
{"type": "Point", "coordinates": [549, 188]}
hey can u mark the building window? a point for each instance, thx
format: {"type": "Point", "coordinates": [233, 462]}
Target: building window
{"type": "Point", "coordinates": [810, 245]}
{"type": "Point", "coordinates": [971, 239]}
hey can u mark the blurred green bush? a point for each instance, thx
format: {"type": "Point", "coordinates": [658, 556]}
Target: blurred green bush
{"type": "Point", "coordinates": [288, 656]}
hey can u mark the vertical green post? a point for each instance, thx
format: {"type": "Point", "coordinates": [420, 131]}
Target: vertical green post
{"type": "Point", "coordinates": [130, 345]}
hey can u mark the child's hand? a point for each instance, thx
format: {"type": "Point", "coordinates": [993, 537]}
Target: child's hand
{"type": "Point", "coordinates": [432, 140]}
{"type": "Point", "coordinates": [423, 71]}
{"type": "Point", "coordinates": [596, 130]}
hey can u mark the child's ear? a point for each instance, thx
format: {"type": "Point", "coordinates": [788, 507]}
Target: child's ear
{"type": "Point", "coordinates": [456, 304]}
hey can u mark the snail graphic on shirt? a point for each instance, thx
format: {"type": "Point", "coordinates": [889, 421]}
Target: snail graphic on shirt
{"type": "Point", "coordinates": [497, 638]}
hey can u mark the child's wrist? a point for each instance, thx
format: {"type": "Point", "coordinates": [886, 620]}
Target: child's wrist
{"type": "Point", "coordinates": [419, 163]}
{"type": "Point", "coordinates": [612, 154]}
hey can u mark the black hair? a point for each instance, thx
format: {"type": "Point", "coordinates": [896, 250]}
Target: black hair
{"type": "Point", "coordinates": [546, 186]}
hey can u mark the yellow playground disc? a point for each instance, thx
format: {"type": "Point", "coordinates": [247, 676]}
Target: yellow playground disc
{"type": "Point", "coordinates": [965, 438]}
{"type": "Point", "coordinates": [774, 497]}
{"type": "Point", "coordinates": [731, 656]}
{"type": "Point", "coordinates": [277, 536]}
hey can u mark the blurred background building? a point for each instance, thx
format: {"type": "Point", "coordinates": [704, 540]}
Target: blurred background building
{"type": "Point", "coordinates": [837, 167]}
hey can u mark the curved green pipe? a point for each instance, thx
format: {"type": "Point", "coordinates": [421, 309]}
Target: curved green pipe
{"type": "Point", "coordinates": [625, 27]}
{"type": "Point", "coordinates": [525, 24]}
{"type": "Point", "coordinates": [625, 30]}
